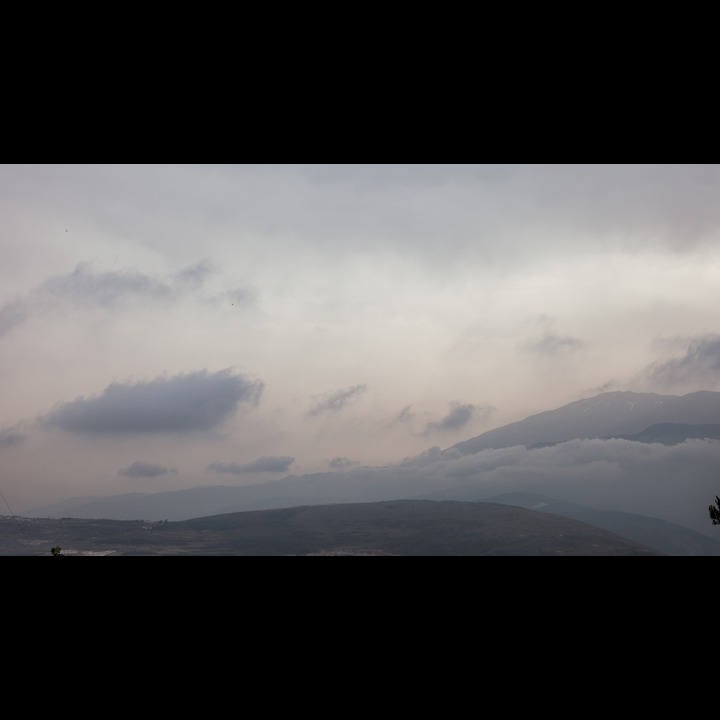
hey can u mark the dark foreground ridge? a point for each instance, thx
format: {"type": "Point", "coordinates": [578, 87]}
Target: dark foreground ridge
{"type": "Point", "coordinates": [391, 528]}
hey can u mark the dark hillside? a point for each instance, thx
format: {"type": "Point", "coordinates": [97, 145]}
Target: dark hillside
{"type": "Point", "coordinates": [402, 527]}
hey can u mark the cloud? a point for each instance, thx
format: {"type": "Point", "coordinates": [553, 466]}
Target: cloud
{"type": "Point", "coordinates": [406, 414]}
{"type": "Point", "coordinates": [86, 287]}
{"type": "Point", "coordinates": [195, 275]}
{"type": "Point", "coordinates": [11, 315]}
{"type": "Point", "coordinates": [240, 296]}
{"type": "Point", "coordinates": [197, 401]}
{"type": "Point", "coordinates": [459, 416]}
{"type": "Point", "coordinates": [552, 344]}
{"type": "Point", "coordinates": [10, 438]}
{"type": "Point", "coordinates": [263, 464]}
{"type": "Point", "coordinates": [674, 483]}
{"type": "Point", "coordinates": [340, 463]}
{"type": "Point", "coordinates": [141, 469]}
{"type": "Point", "coordinates": [700, 364]}
{"type": "Point", "coordinates": [546, 341]}
{"type": "Point", "coordinates": [518, 211]}
{"type": "Point", "coordinates": [334, 402]}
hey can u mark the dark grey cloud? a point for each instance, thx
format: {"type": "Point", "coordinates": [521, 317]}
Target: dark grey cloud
{"type": "Point", "coordinates": [340, 463]}
{"type": "Point", "coordinates": [263, 464]}
{"type": "Point", "coordinates": [141, 469]}
{"type": "Point", "coordinates": [10, 438]}
{"type": "Point", "coordinates": [459, 416]}
{"type": "Point", "coordinates": [700, 364]}
{"type": "Point", "coordinates": [197, 401]}
{"type": "Point", "coordinates": [335, 401]}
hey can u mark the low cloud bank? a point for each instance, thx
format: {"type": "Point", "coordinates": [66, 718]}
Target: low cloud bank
{"type": "Point", "coordinates": [674, 483]}
{"type": "Point", "coordinates": [263, 464]}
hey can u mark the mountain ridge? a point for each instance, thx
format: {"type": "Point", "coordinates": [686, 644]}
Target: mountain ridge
{"type": "Point", "coordinates": [613, 413]}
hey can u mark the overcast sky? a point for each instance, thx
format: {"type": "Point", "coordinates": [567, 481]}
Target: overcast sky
{"type": "Point", "coordinates": [166, 326]}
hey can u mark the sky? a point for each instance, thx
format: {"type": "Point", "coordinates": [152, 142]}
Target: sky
{"type": "Point", "coordinates": [171, 326]}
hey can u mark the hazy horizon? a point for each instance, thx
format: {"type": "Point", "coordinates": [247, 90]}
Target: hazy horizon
{"type": "Point", "coordinates": [168, 326]}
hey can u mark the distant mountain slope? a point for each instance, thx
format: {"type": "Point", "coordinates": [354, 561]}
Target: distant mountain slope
{"type": "Point", "coordinates": [608, 414]}
{"type": "Point", "coordinates": [668, 538]}
{"type": "Point", "coordinates": [166, 505]}
{"type": "Point", "coordinates": [403, 527]}
{"type": "Point", "coordinates": [200, 501]}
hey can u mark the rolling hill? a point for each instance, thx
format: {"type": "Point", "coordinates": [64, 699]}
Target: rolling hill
{"type": "Point", "coordinates": [394, 528]}
{"type": "Point", "coordinates": [668, 538]}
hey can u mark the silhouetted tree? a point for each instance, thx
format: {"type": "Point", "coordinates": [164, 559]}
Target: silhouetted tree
{"type": "Point", "coordinates": [715, 511]}
{"type": "Point", "coordinates": [57, 551]}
